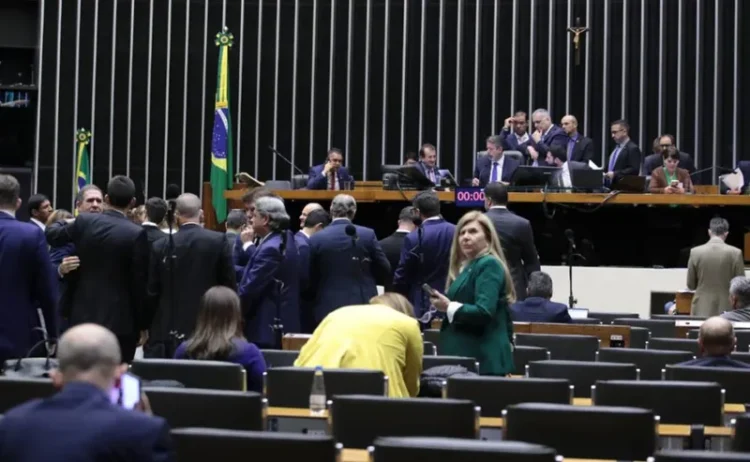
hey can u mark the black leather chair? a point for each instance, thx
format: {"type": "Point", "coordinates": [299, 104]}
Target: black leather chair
{"type": "Point", "coordinates": [638, 337]}
{"type": "Point", "coordinates": [432, 336]}
{"type": "Point", "coordinates": [741, 356]}
{"type": "Point", "coordinates": [429, 349]}
{"type": "Point", "coordinates": [15, 391]}
{"type": "Point", "coordinates": [688, 403]}
{"type": "Point", "coordinates": [279, 358]}
{"type": "Point", "coordinates": [582, 374]}
{"type": "Point", "coordinates": [214, 375]}
{"type": "Point", "coordinates": [699, 456]}
{"type": "Point", "coordinates": [674, 344]}
{"type": "Point", "coordinates": [299, 181]}
{"type": "Point", "coordinates": [471, 364]}
{"type": "Point", "coordinates": [678, 317]}
{"type": "Point", "coordinates": [586, 432]}
{"type": "Point", "coordinates": [650, 362]}
{"type": "Point", "coordinates": [733, 381]}
{"type": "Point", "coordinates": [409, 449]}
{"type": "Point", "coordinates": [586, 321]}
{"type": "Point", "coordinates": [206, 444]}
{"type": "Point", "coordinates": [494, 394]}
{"type": "Point", "coordinates": [357, 420]}
{"type": "Point", "coordinates": [522, 355]}
{"type": "Point", "coordinates": [231, 410]}
{"type": "Point", "coordinates": [290, 386]}
{"type": "Point", "coordinates": [279, 185]}
{"type": "Point", "coordinates": [657, 327]}
{"type": "Point", "coordinates": [743, 340]}
{"type": "Point", "coordinates": [607, 317]}
{"type": "Point", "coordinates": [564, 347]}
{"type": "Point", "coordinates": [741, 440]}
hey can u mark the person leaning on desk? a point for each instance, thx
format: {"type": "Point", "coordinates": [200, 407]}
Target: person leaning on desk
{"type": "Point", "coordinates": [479, 291]}
{"type": "Point", "coordinates": [669, 179]}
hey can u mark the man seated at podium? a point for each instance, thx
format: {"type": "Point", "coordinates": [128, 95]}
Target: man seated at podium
{"type": "Point", "coordinates": [332, 175]}
{"type": "Point", "coordinates": [538, 307]}
{"type": "Point", "coordinates": [428, 163]}
{"type": "Point", "coordinates": [494, 166]}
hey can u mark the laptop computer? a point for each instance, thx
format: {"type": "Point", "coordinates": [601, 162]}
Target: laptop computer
{"type": "Point", "coordinates": [586, 180]}
{"type": "Point", "coordinates": [630, 184]}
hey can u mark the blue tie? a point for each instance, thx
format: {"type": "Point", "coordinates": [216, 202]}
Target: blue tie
{"type": "Point", "coordinates": [493, 176]}
{"type": "Point", "coordinates": [613, 159]}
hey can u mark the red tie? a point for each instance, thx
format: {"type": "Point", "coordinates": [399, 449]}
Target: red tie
{"type": "Point", "coordinates": [331, 181]}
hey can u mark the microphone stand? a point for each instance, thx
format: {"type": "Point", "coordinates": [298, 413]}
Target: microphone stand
{"type": "Point", "coordinates": [287, 160]}
{"type": "Point", "coordinates": [174, 336]}
{"type": "Point", "coordinates": [572, 301]}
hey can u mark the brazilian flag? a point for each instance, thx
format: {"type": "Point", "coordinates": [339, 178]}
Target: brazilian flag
{"type": "Point", "coordinates": [221, 141]}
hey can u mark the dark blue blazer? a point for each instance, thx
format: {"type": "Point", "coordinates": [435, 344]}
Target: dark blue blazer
{"type": "Point", "coordinates": [556, 135]}
{"type": "Point", "coordinates": [483, 169]}
{"type": "Point", "coordinates": [27, 282]}
{"type": "Point", "coordinates": [510, 142]}
{"type": "Point", "coordinates": [270, 285]}
{"type": "Point", "coordinates": [336, 279]}
{"type": "Point", "coordinates": [240, 257]}
{"type": "Point", "coordinates": [80, 424]}
{"type": "Point", "coordinates": [715, 361]}
{"type": "Point", "coordinates": [303, 249]}
{"type": "Point", "coordinates": [423, 169]}
{"type": "Point", "coordinates": [437, 237]}
{"type": "Point", "coordinates": [316, 180]}
{"type": "Point", "coordinates": [538, 309]}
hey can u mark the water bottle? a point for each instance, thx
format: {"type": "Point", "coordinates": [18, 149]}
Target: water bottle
{"type": "Point", "coordinates": [318, 393]}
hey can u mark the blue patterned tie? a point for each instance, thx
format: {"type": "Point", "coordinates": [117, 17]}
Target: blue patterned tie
{"type": "Point", "coordinates": [613, 159]}
{"type": "Point", "coordinates": [493, 177]}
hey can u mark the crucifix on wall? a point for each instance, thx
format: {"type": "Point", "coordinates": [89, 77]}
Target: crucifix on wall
{"type": "Point", "coordinates": [577, 31]}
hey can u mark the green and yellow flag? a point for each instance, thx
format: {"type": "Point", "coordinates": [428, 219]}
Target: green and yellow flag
{"type": "Point", "coordinates": [221, 142]}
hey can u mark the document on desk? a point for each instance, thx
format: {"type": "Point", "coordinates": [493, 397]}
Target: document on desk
{"type": "Point", "coordinates": [593, 166]}
{"type": "Point", "coordinates": [734, 180]}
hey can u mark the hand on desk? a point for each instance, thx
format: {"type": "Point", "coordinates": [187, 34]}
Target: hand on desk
{"type": "Point", "coordinates": [610, 175]}
{"type": "Point", "coordinates": [735, 191]}
{"type": "Point", "coordinates": [475, 182]}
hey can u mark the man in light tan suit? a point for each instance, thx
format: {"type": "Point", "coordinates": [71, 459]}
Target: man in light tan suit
{"type": "Point", "coordinates": [710, 270]}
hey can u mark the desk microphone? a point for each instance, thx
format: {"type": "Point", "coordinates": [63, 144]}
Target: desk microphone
{"type": "Point", "coordinates": [285, 159]}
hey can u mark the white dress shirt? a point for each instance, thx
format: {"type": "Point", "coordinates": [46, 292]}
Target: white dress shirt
{"type": "Point", "coordinates": [39, 223]}
{"type": "Point", "coordinates": [565, 175]}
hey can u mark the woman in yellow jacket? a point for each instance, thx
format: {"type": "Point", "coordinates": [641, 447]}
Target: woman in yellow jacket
{"type": "Point", "coordinates": [382, 335]}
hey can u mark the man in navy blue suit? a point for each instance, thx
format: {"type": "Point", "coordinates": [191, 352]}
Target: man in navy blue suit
{"type": "Point", "coordinates": [717, 342]}
{"type": "Point", "coordinates": [332, 175]}
{"type": "Point", "coordinates": [515, 134]}
{"type": "Point", "coordinates": [537, 307]}
{"type": "Point", "coordinates": [315, 221]}
{"type": "Point", "coordinates": [545, 135]}
{"type": "Point", "coordinates": [81, 422]}
{"type": "Point", "coordinates": [428, 163]}
{"type": "Point", "coordinates": [27, 279]}
{"type": "Point", "coordinates": [269, 287]}
{"type": "Point", "coordinates": [425, 253]}
{"type": "Point", "coordinates": [344, 266]}
{"type": "Point", "coordinates": [494, 166]}
{"type": "Point", "coordinates": [244, 244]}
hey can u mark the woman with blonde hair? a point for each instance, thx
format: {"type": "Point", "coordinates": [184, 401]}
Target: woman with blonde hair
{"type": "Point", "coordinates": [382, 335]}
{"type": "Point", "coordinates": [479, 291]}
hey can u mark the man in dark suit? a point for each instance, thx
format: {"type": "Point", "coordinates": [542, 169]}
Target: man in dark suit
{"type": "Point", "coordinates": [393, 244]}
{"type": "Point", "coordinates": [332, 175]}
{"type": "Point", "coordinates": [80, 422]}
{"type": "Point", "coordinates": [244, 245]}
{"type": "Point", "coordinates": [40, 209]}
{"type": "Point", "coordinates": [546, 134]}
{"type": "Point", "coordinates": [111, 281]}
{"type": "Point", "coordinates": [306, 210]}
{"type": "Point", "coordinates": [315, 221]}
{"type": "Point", "coordinates": [156, 213]}
{"type": "Point", "coordinates": [537, 307]}
{"type": "Point", "coordinates": [494, 166]}
{"type": "Point", "coordinates": [428, 163]}
{"type": "Point", "coordinates": [236, 222]}
{"type": "Point", "coordinates": [199, 260]}
{"type": "Point", "coordinates": [514, 135]}
{"type": "Point", "coordinates": [579, 148]}
{"type": "Point", "coordinates": [656, 159]}
{"type": "Point", "coordinates": [269, 288]}
{"type": "Point", "coordinates": [516, 237]}
{"type": "Point", "coordinates": [425, 254]}
{"type": "Point", "coordinates": [344, 267]}
{"type": "Point", "coordinates": [562, 178]}
{"type": "Point", "coordinates": [626, 158]}
{"type": "Point", "coordinates": [717, 342]}
{"type": "Point", "coordinates": [27, 279]}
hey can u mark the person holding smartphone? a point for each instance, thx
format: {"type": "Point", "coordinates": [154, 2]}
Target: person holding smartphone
{"type": "Point", "coordinates": [669, 179]}
{"type": "Point", "coordinates": [332, 175]}
{"type": "Point", "coordinates": [479, 291]}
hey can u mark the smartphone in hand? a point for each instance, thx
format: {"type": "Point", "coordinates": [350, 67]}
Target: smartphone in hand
{"type": "Point", "coordinates": [428, 289]}
{"type": "Point", "coordinates": [127, 393]}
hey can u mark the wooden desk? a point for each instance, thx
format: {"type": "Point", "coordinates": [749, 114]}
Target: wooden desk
{"type": "Point", "coordinates": [728, 408]}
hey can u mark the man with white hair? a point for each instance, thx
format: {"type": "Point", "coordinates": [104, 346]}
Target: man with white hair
{"type": "Point", "coordinates": [739, 300]}
{"type": "Point", "coordinates": [269, 288]}
{"type": "Point", "coordinates": [345, 261]}
{"type": "Point", "coordinates": [545, 135]}
{"type": "Point", "coordinates": [183, 267]}
{"type": "Point", "coordinates": [81, 422]}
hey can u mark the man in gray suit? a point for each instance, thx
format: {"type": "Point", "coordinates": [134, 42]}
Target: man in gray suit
{"type": "Point", "coordinates": [710, 270]}
{"type": "Point", "coordinates": [739, 300]}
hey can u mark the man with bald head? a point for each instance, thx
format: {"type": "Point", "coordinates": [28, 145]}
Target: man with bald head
{"type": "Point", "coordinates": [306, 211]}
{"type": "Point", "coordinates": [580, 148]}
{"type": "Point", "coordinates": [200, 259]}
{"type": "Point", "coordinates": [81, 422]}
{"type": "Point", "coordinates": [545, 135]}
{"type": "Point", "coordinates": [717, 342]}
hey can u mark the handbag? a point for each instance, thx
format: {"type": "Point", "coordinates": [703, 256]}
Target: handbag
{"type": "Point", "coordinates": [31, 368]}
{"type": "Point", "coordinates": [431, 381]}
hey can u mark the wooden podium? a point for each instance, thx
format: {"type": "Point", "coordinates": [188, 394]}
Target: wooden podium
{"type": "Point", "coordinates": [684, 301]}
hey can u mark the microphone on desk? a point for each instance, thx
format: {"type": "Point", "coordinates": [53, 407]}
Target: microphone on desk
{"type": "Point", "coordinates": [285, 159]}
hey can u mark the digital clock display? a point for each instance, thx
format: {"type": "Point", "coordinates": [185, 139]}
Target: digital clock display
{"type": "Point", "coordinates": [469, 197]}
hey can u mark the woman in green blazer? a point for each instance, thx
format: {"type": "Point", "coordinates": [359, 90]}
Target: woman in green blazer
{"type": "Point", "coordinates": [479, 291]}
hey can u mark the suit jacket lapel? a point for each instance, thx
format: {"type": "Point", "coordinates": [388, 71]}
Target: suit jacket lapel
{"type": "Point", "coordinates": [461, 279]}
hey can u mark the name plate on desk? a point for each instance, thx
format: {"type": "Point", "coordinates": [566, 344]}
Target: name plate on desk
{"type": "Point", "coordinates": [469, 197]}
